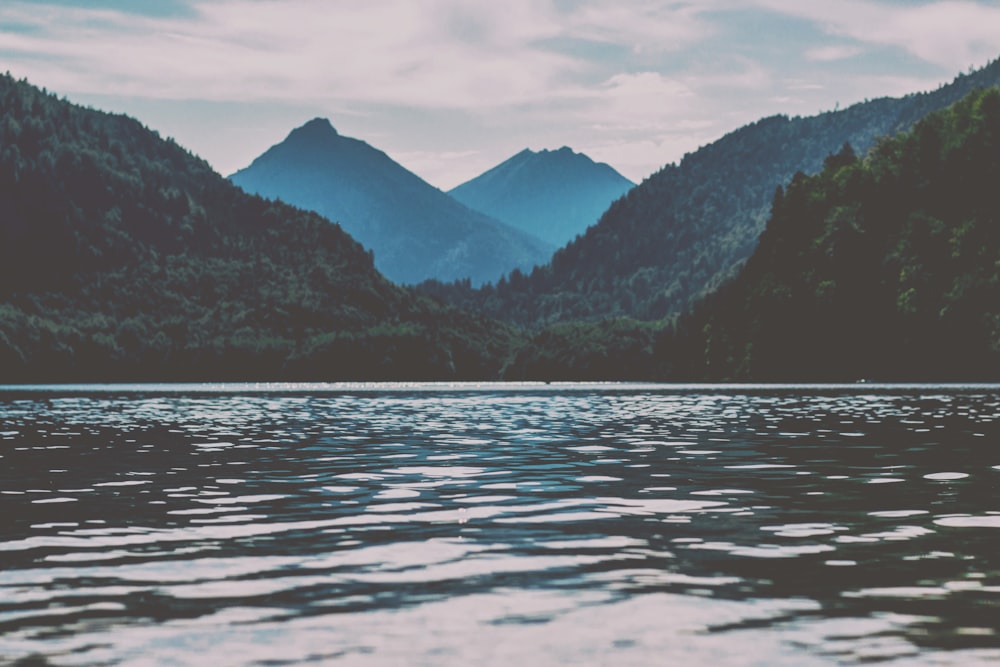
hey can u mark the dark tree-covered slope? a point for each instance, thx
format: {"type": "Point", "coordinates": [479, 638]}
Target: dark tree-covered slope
{"type": "Point", "coordinates": [881, 268]}
{"type": "Point", "coordinates": [554, 195]}
{"type": "Point", "coordinates": [682, 232]}
{"type": "Point", "coordinates": [885, 268]}
{"type": "Point", "coordinates": [416, 231]}
{"type": "Point", "coordinates": [122, 256]}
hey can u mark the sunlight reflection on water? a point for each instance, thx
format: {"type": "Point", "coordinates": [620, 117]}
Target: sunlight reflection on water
{"type": "Point", "coordinates": [483, 524]}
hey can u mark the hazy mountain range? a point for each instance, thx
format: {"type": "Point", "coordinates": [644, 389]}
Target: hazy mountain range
{"type": "Point", "coordinates": [123, 256]}
{"type": "Point", "coordinates": [554, 195]}
{"type": "Point", "coordinates": [415, 231]}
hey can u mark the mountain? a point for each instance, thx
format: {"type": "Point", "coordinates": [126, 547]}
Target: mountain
{"type": "Point", "coordinates": [124, 257]}
{"type": "Point", "coordinates": [554, 195]}
{"type": "Point", "coordinates": [416, 231]}
{"type": "Point", "coordinates": [885, 267]}
{"type": "Point", "coordinates": [682, 232]}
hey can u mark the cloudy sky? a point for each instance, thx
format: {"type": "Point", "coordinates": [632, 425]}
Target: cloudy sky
{"type": "Point", "coordinates": [450, 88]}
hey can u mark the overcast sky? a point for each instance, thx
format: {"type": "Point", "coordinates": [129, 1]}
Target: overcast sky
{"type": "Point", "coordinates": [450, 88]}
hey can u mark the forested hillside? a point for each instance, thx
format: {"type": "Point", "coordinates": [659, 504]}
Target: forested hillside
{"type": "Point", "coordinates": [881, 268]}
{"type": "Point", "coordinates": [122, 256]}
{"type": "Point", "coordinates": [681, 233]}
{"type": "Point", "coordinates": [415, 231]}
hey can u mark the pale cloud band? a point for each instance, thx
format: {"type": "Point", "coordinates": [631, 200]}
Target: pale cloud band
{"type": "Point", "coordinates": [449, 53]}
{"type": "Point", "coordinates": [636, 83]}
{"type": "Point", "coordinates": [951, 34]}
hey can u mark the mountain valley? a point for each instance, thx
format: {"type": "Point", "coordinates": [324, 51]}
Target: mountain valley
{"type": "Point", "coordinates": [415, 231]}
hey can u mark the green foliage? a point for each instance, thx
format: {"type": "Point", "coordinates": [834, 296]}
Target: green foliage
{"type": "Point", "coordinates": [621, 349]}
{"type": "Point", "coordinates": [885, 268]}
{"type": "Point", "coordinates": [122, 256]}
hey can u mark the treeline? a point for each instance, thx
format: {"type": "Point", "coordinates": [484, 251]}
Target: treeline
{"type": "Point", "coordinates": [122, 256]}
{"type": "Point", "coordinates": [884, 268]}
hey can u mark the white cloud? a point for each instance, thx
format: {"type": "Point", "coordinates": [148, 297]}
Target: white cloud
{"type": "Point", "coordinates": [646, 26]}
{"type": "Point", "coordinates": [832, 53]}
{"type": "Point", "coordinates": [952, 34]}
{"type": "Point", "coordinates": [446, 169]}
{"type": "Point", "coordinates": [433, 53]}
{"type": "Point", "coordinates": [506, 63]}
{"type": "Point", "coordinates": [639, 96]}
{"type": "Point", "coordinates": [637, 83]}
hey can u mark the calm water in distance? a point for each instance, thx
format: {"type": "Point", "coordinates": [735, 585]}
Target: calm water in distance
{"type": "Point", "coordinates": [499, 524]}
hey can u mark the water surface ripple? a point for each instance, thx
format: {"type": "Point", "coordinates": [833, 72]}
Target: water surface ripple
{"type": "Point", "coordinates": [491, 524]}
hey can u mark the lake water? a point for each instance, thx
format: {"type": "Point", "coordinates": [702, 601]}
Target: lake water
{"type": "Point", "coordinates": [499, 524]}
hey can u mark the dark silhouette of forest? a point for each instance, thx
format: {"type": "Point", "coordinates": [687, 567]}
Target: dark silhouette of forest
{"type": "Point", "coordinates": [885, 267]}
{"type": "Point", "coordinates": [123, 256]}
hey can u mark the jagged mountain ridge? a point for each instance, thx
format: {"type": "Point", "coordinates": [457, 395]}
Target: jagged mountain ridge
{"type": "Point", "coordinates": [415, 231]}
{"type": "Point", "coordinates": [554, 195]}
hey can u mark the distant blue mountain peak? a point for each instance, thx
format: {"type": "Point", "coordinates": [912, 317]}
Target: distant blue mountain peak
{"type": "Point", "coordinates": [554, 194]}
{"type": "Point", "coordinates": [317, 129]}
{"type": "Point", "coordinates": [415, 231]}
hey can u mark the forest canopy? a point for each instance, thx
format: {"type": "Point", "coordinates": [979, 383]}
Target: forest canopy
{"type": "Point", "coordinates": [885, 267]}
{"type": "Point", "coordinates": [123, 256]}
